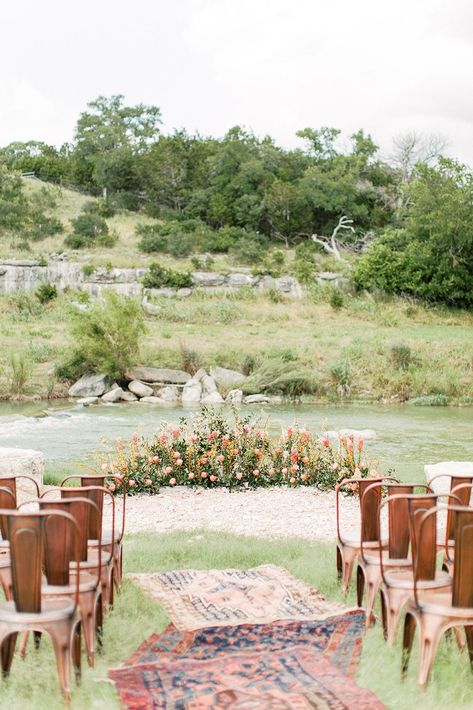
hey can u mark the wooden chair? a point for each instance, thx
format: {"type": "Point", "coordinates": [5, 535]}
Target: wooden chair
{"type": "Point", "coordinates": [463, 498]}
{"type": "Point", "coordinates": [435, 613]}
{"type": "Point", "coordinates": [348, 548]}
{"type": "Point", "coordinates": [462, 494]}
{"type": "Point", "coordinates": [9, 503]}
{"type": "Point", "coordinates": [394, 554]}
{"type": "Point", "coordinates": [61, 581]}
{"type": "Point", "coordinates": [91, 558]}
{"type": "Point", "coordinates": [95, 521]}
{"type": "Point", "coordinates": [397, 585]}
{"type": "Point", "coordinates": [28, 610]}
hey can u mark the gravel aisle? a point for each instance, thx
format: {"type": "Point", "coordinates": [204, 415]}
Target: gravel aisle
{"type": "Point", "coordinates": [265, 512]}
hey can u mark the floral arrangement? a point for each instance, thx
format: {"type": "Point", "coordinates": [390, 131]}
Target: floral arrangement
{"type": "Point", "coordinates": [210, 451]}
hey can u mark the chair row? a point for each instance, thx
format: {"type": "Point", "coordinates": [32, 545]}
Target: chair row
{"type": "Point", "coordinates": [402, 563]}
{"type": "Point", "coordinates": [59, 567]}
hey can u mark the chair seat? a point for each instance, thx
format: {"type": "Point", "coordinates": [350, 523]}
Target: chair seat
{"type": "Point", "coordinates": [440, 604]}
{"type": "Point", "coordinates": [87, 583]}
{"type": "Point", "coordinates": [355, 542]}
{"type": "Point", "coordinates": [106, 538]}
{"type": "Point", "coordinates": [373, 559]}
{"type": "Point", "coordinates": [404, 579]}
{"type": "Point", "coordinates": [92, 561]}
{"type": "Point", "coordinates": [51, 610]}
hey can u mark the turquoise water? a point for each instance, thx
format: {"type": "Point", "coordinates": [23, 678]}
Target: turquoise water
{"type": "Point", "coordinates": [407, 437]}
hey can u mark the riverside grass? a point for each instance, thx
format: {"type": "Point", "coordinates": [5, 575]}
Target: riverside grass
{"type": "Point", "coordinates": [350, 353]}
{"type": "Point", "coordinates": [33, 682]}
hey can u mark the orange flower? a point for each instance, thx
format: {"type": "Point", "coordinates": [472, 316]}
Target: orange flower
{"type": "Point", "coordinates": [305, 460]}
{"type": "Point", "coordinates": [360, 444]}
{"type": "Point", "coordinates": [304, 477]}
{"type": "Point", "coordinates": [294, 468]}
{"type": "Point", "coordinates": [176, 433]}
{"type": "Point", "coordinates": [148, 482]}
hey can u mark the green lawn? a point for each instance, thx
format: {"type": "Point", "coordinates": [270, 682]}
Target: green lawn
{"type": "Point", "coordinates": [33, 682]}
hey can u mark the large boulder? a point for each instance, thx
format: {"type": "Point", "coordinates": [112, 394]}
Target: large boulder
{"type": "Point", "coordinates": [159, 374]}
{"type": "Point", "coordinates": [115, 395]}
{"type": "Point", "coordinates": [212, 398]}
{"type": "Point", "coordinates": [209, 386]}
{"type": "Point", "coordinates": [256, 399]}
{"type": "Point", "coordinates": [90, 386]}
{"type": "Point", "coordinates": [204, 279]}
{"type": "Point", "coordinates": [170, 393]}
{"type": "Point", "coordinates": [152, 400]}
{"type": "Point", "coordinates": [446, 470]}
{"type": "Point", "coordinates": [129, 397]}
{"type": "Point", "coordinates": [191, 392]}
{"type": "Point", "coordinates": [22, 462]}
{"type": "Point", "coordinates": [234, 397]}
{"type": "Point", "coordinates": [140, 389]}
{"type": "Point", "coordinates": [227, 378]}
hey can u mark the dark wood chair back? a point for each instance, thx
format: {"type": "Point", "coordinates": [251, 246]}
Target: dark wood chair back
{"type": "Point", "coordinates": [99, 481]}
{"type": "Point", "coordinates": [462, 592]}
{"type": "Point", "coordinates": [60, 540]}
{"type": "Point", "coordinates": [398, 517]}
{"type": "Point", "coordinates": [424, 547]}
{"type": "Point", "coordinates": [369, 505]}
{"type": "Point", "coordinates": [10, 501]}
{"type": "Point", "coordinates": [7, 502]}
{"type": "Point", "coordinates": [26, 533]}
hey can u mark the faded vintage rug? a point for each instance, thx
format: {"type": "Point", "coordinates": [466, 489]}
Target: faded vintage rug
{"type": "Point", "coordinates": [196, 599]}
{"type": "Point", "coordinates": [299, 678]}
{"type": "Point", "coordinates": [338, 637]}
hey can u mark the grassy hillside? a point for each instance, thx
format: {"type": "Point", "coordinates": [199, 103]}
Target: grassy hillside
{"type": "Point", "coordinates": [367, 348]}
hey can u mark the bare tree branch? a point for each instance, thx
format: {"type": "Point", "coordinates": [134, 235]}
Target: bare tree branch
{"type": "Point", "coordinates": [331, 245]}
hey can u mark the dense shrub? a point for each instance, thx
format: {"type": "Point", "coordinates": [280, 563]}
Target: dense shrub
{"type": "Point", "coordinates": [210, 451]}
{"type": "Point", "coordinates": [46, 293]}
{"type": "Point", "coordinates": [279, 376]}
{"type": "Point", "coordinates": [160, 277]}
{"type": "Point", "coordinates": [89, 229]}
{"type": "Point", "coordinates": [401, 356]}
{"type": "Point", "coordinates": [107, 335]}
{"type": "Point", "coordinates": [44, 226]}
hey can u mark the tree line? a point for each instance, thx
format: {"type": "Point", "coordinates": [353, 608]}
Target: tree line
{"type": "Point", "coordinates": [409, 218]}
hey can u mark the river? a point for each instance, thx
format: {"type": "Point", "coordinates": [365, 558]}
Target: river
{"type": "Point", "coordinates": [407, 436]}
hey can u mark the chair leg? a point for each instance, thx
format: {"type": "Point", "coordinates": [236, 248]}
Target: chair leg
{"type": "Point", "coordinates": [393, 601]}
{"type": "Point", "coordinates": [407, 641]}
{"type": "Point", "coordinates": [348, 556]}
{"type": "Point", "coordinates": [62, 643]}
{"type": "Point", "coordinates": [99, 623]}
{"type": "Point", "coordinates": [7, 651]}
{"type": "Point", "coordinates": [76, 652]}
{"type": "Point", "coordinates": [360, 585]}
{"type": "Point", "coordinates": [87, 614]}
{"type": "Point", "coordinates": [469, 643]}
{"type": "Point", "coordinates": [430, 629]}
{"type": "Point", "coordinates": [339, 564]}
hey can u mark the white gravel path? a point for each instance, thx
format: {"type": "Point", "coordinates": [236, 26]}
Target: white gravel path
{"type": "Point", "coordinates": [265, 512]}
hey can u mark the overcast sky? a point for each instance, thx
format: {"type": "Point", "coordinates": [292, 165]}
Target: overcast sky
{"type": "Point", "coordinates": [274, 66]}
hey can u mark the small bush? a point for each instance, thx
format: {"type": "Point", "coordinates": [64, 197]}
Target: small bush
{"type": "Point", "coordinates": [336, 299]}
{"type": "Point", "coordinates": [401, 356]}
{"type": "Point", "coordinates": [24, 304]}
{"type": "Point", "coordinates": [107, 336]}
{"type": "Point", "coordinates": [46, 293]}
{"type": "Point", "coordinates": [89, 229]}
{"type": "Point", "coordinates": [274, 295]}
{"type": "Point", "coordinates": [275, 376]}
{"type": "Point", "coordinates": [99, 207]}
{"type": "Point", "coordinates": [190, 360]}
{"type": "Point", "coordinates": [19, 372]}
{"type": "Point", "coordinates": [249, 364]}
{"type": "Point", "coordinates": [44, 227]}
{"type": "Point", "coordinates": [248, 251]}
{"type": "Point", "coordinates": [304, 271]}
{"type": "Point", "coordinates": [203, 263]}
{"type": "Point", "coordinates": [341, 374]}
{"type": "Point", "coordinates": [88, 269]}
{"type": "Point", "coordinates": [431, 400]}
{"type": "Point", "coordinates": [160, 277]}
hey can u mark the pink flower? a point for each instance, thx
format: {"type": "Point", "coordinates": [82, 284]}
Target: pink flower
{"type": "Point", "coordinates": [234, 452]}
{"type": "Point", "coordinates": [176, 455]}
{"type": "Point", "coordinates": [176, 433]}
{"type": "Point", "coordinates": [239, 475]}
{"type": "Point", "coordinates": [335, 466]}
{"type": "Point", "coordinates": [179, 462]}
{"type": "Point", "coordinates": [292, 480]}
{"type": "Point", "coordinates": [172, 481]}
{"type": "Point", "coordinates": [193, 439]}
{"type": "Point", "coordinates": [325, 442]}
{"type": "Point", "coordinates": [277, 451]}
{"type": "Point", "coordinates": [290, 432]}
{"type": "Point", "coordinates": [256, 473]}
{"type": "Point", "coordinates": [304, 477]}
{"type": "Point", "coordinates": [294, 468]}
{"type": "Point", "coordinates": [148, 482]}
{"type": "Point", "coordinates": [221, 458]}
{"type": "Point", "coordinates": [213, 478]}
{"type": "Point", "coordinates": [360, 444]}
{"type": "Point", "coordinates": [168, 469]}
{"type": "Point", "coordinates": [350, 446]}
{"type": "Point", "coordinates": [246, 428]}
{"type": "Point", "coordinates": [285, 455]}
{"type": "Point", "coordinates": [121, 445]}
{"type": "Point", "coordinates": [284, 471]}
{"type": "Point", "coordinates": [111, 487]}
{"type": "Point", "coordinates": [163, 439]}
{"type": "Point", "coordinates": [191, 476]}
{"type": "Point", "coordinates": [225, 441]}
{"type": "Point", "coordinates": [305, 459]}
{"type": "Point", "coordinates": [271, 472]}
{"type": "Point", "coordinates": [203, 474]}
{"type": "Point", "coordinates": [374, 473]}
{"type": "Point", "coordinates": [131, 483]}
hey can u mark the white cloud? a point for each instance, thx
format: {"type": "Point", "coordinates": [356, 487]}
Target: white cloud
{"type": "Point", "coordinates": [272, 65]}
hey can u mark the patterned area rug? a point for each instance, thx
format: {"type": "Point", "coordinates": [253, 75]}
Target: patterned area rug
{"type": "Point", "coordinates": [294, 679]}
{"type": "Point", "coordinates": [196, 599]}
{"type": "Point", "coordinates": [339, 637]}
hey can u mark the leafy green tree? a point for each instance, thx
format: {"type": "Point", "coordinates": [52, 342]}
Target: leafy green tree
{"type": "Point", "coordinates": [107, 335]}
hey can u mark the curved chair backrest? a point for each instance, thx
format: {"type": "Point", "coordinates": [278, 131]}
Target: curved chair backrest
{"type": "Point", "coordinates": [455, 480]}
{"type": "Point", "coordinates": [7, 502]}
{"type": "Point", "coordinates": [98, 479]}
{"type": "Point", "coordinates": [59, 541]}
{"type": "Point", "coordinates": [368, 506]}
{"type": "Point", "coordinates": [462, 584]}
{"type": "Point", "coordinates": [9, 482]}
{"type": "Point", "coordinates": [28, 544]}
